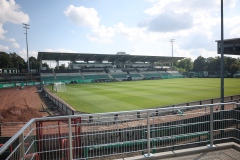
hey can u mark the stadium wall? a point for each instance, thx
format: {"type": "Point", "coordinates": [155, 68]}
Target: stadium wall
{"type": "Point", "coordinates": [66, 108]}
{"type": "Point", "coordinates": [7, 85]}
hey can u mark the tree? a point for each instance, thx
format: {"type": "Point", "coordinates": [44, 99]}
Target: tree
{"type": "Point", "coordinates": [234, 67]}
{"type": "Point", "coordinates": [213, 64]}
{"type": "Point", "coordinates": [199, 64]}
{"type": "Point", "coordinates": [61, 67]}
{"type": "Point", "coordinates": [18, 62]}
{"type": "Point", "coordinates": [46, 65]}
{"type": "Point", "coordinates": [34, 63]}
{"type": "Point", "coordinates": [231, 65]}
{"type": "Point", "coordinates": [181, 70]}
{"type": "Point", "coordinates": [5, 60]}
{"type": "Point", "coordinates": [186, 64]}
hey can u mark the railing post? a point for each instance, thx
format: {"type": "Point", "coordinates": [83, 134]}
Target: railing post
{"type": "Point", "coordinates": [22, 150]}
{"type": "Point", "coordinates": [211, 127]}
{"type": "Point", "coordinates": [70, 138]}
{"type": "Point", "coordinates": [148, 136]}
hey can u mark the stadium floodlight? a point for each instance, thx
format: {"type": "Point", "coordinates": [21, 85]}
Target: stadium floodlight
{"type": "Point", "coordinates": [59, 87]}
{"type": "Point", "coordinates": [222, 57]}
{"type": "Point", "coordinates": [26, 26]}
{"type": "Point", "coordinates": [172, 40]}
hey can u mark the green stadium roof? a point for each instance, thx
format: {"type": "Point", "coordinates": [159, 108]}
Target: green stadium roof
{"type": "Point", "coordinates": [58, 56]}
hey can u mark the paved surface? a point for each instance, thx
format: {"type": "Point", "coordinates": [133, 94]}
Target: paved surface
{"type": "Point", "coordinates": [222, 151]}
{"type": "Point", "coordinates": [227, 154]}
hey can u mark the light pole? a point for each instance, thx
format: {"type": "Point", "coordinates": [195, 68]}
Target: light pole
{"type": "Point", "coordinates": [26, 27]}
{"type": "Point", "coordinates": [172, 41]}
{"type": "Point", "coordinates": [222, 57]}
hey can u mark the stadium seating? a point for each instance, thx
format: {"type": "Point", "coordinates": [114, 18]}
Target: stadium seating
{"type": "Point", "coordinates": [119, 76]}
{"type": "Point", "coordinates": [17, 77]}
{"type": "Point", "coordinates": [47, 77]}
{"type": "Point", "coordinates": [136, 76]}
{"type": "Point", "coordinates": [92, 74]}
{"type": "Point", "coordinates": [175, 74]}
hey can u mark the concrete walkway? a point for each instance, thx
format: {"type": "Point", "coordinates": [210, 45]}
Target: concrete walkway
{"type": "Point", "coordinates": [224, 151]}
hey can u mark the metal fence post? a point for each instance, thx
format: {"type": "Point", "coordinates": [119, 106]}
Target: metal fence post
{"type": "Point", "coordinates": [70, 138]}
{"type": "Point", "coordinates": [22, 150]}
{"type": "Point", "coordinates": [148, 136]}
{"type": "Point", "coordinates": [211, 127]}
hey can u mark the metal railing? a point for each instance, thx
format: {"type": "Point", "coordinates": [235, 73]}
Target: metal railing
{"type": "Point", "coordinates": [67, 109]}
{"type": "Point", "coordinates": [118, 134]}
{"type": "Point", "coordinates": [232, 98]}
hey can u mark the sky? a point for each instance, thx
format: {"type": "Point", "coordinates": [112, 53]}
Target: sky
{"type": "Point", "coordinates": [137, 27]}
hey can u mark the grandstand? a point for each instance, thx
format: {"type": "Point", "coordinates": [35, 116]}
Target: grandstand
{"type": "Point", "coordinates": [85, 67]}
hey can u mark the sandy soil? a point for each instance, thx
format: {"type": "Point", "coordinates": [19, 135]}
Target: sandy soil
{"type": "Point", "coordinates": [18, 105]}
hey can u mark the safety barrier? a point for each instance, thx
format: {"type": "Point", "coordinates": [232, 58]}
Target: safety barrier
{"type": "Point", "coordinates": [15, 84]}
{"type": "Point", "coordinates": [233, 98]}
{"type": "Point", "coordinates": [59, 102]}
{"type": "Point", "coordinates": [90, 136]}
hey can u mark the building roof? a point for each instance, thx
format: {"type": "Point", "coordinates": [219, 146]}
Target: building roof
{"type": "Point", "coordinates": [231, 46]}
{"type": "Point", "coordinates": [58, 56]}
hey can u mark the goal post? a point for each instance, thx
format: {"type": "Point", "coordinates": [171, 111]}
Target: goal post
{"type": "Point", "coordinates": [59, 87]}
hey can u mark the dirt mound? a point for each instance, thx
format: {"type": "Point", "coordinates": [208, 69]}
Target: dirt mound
{"type": "Point", "coordinates": [20, 105]}
{"type": "Point", "coordinates": [19, 114]}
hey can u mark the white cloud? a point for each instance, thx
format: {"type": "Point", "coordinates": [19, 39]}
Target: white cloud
{"type": "Point", "coordinates": [3, 48]}
{"type": "Point", "coordinates": [168, 21]}
{"type": "Point", "coordinates": [134, 50]}
{"type": "Point", "coordinates": [196, 34]}
{"type": "Point", "coordinates": [11, 40]}
{"type": "Point", "coordinates": [233, 25]}
{"type": "Point", "coordinates": [33, 54]}
{"type": "Point", "coordinates": [230, 3]}
{"type": "Point", "coordinates": [194, 53]}
{"type": "Point", "coordinates": [23, 54]}
{"type": "Point", "coordinates": [11, 12]}
{"type": "Point", "coordinates": [2, 31]}
{"type": "Point", "coordinates": [194, 24]}
{"type": "Point", "coordinates": [205, 15]}
{"type": "Point", "coordinates": [102, 34]}
{"type": "Point", "coordinates": [192, 6]}
{"type": "Point", "coordinates": [15, 45]}
{"type": "Point", "coordinates": [59, 50]}
{"type": "Point", "coordinates": [130, 33]}
{"type": "Point", "coordinates": [82, 16]}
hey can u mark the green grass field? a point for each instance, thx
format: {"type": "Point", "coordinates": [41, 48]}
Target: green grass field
{"type": "Point", "coordinates": [133, 95]}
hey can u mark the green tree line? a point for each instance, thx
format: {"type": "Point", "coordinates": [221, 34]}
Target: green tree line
{"type": "Point", "coordinates": [13, 60]}
{"type": "Point", "coordinates": [231, 65]}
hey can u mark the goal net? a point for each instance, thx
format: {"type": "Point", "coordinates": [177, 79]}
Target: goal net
{"type": "Point", "coordinates": [59, 87]}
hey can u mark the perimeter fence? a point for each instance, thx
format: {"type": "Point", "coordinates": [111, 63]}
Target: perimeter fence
{"type": "Point", "coordinates": [67, 109]}
{"type": "Point", "coordinates": [233, 98]}
{"type": "Point", "coordinates": [120, 134]}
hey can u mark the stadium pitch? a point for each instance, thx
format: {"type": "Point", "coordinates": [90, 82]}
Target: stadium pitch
{"type": "Point", "coordinates": [134, 95]}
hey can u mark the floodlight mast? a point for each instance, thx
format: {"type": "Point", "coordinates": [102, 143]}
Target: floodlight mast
{"type": "Point", "coordinates": [172, 41]}
{"type": "Point", "coordinates": [26, 26]}
{"type": "Point", "coordinates": [222, 58]}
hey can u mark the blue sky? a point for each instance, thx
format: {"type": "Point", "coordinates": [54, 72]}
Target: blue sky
{"type": "Point", "coordinates": [137, 27]}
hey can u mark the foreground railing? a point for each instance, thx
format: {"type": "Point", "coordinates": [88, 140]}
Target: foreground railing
{"type": "Point", "coordinates": [120, 134]}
